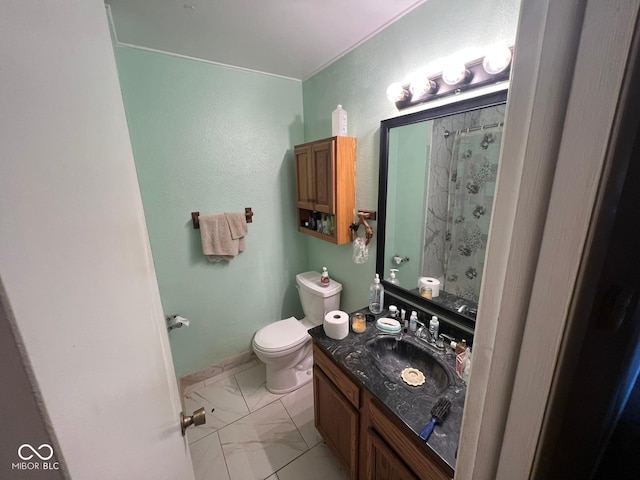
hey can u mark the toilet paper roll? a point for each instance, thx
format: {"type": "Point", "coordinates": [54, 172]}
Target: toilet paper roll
{"type": "Point", "coordinates": [434, 283]}
{"type": "Point", "coordinates": [336, 324]}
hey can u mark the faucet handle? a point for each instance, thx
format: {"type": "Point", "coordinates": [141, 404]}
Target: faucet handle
{"type": "Point", "coordinates": [442, 337]}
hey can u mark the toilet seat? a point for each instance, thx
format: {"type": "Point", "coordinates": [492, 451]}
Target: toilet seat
{"type": "Point", "coordinates": [281, 335]}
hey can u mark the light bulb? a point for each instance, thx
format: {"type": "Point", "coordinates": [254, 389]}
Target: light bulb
{"type": "Point", "coordinates": [454, 73]}
{"type": "Point", "coordinates": [497, 60]}
{"type": "Point", "coordinates": [396, 92]}
{"type": "Point", "coordinates": [421, 86]}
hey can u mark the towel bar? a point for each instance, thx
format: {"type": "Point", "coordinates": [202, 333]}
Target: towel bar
{"type": "Point", "coordinates": [248, 213]}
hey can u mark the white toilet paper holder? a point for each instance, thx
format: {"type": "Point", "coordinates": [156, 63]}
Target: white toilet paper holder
{"type": "Point", "coordinates": [175, 321]}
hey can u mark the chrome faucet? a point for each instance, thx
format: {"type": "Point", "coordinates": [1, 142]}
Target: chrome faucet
{"type": "Point", "coordinates": [423, 333]}
{"type": "Point", "coordinates": [466, 310]}
{"type": "Point", "coordinates": [441, 338]}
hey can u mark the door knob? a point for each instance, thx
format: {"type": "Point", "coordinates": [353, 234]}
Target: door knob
{"type": "Point", "coordinates": [198, 418]}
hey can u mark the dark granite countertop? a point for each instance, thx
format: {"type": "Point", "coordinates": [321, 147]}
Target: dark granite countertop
{"type": "Point", "coordinates": [412, 405]}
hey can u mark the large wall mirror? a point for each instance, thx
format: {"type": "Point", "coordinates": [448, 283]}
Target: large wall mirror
{"type": "Point", "coordinates": [438, 171]}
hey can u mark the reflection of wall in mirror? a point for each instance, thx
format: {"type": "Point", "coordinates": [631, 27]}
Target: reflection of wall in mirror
{"type": "Point", "coordinates": [436, 244]}
{"type": "Point", "coordinates": [409, 153]}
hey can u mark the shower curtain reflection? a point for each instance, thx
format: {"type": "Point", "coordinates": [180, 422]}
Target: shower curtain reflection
{"type": "Point", "coordinates": [472, 179]}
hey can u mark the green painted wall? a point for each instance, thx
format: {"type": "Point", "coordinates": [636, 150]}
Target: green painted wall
{"type": "Point", "coordinates": [359, 80]}
{"type": "Point", "coordinates": [407, 205]}
{"type": "Point", "coordinates": [214, 139]}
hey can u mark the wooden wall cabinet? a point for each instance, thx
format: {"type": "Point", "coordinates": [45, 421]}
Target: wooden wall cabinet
{"type": "Point", "coordinates": [325, 183]}
{"type": "Point", "coordinates": [369, 444]}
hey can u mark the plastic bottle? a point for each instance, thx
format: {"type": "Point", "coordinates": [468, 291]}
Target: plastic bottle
{"type": "Point", "coordinates": [324, 277]}
{"type": "Point", "coordinates": [466, 366]}
{"type": "Point", "coordinates": [461, 354]}
{"type": "Point", "coordinates": [434, 327]}
{"type": "Point", "coordinates": [339, 122]}
{"type": "Point", "coordinates": [393, 312]}
{"type": "Point", "coordinates": [376, 295]}
{"type": "Point", "coordinates": [392, 276]}
{"type": "Point", "coordinates": [403, 320]}
{"type": "Point", "coordinates": [413, 321]}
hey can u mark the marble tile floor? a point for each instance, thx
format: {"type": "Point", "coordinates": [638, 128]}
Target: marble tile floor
{"type": "Point", "coordinates": [252, 434]}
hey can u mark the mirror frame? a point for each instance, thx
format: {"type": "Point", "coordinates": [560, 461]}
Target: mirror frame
{"type": "Point", "coordinates": [434, 308]}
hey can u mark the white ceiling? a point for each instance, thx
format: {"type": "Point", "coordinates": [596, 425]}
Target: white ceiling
{"type": "Point", "coordinates": [291, 38]}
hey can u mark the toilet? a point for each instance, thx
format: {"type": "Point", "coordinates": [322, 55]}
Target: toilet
{"type": "Point", "coordinates": [285, 346]}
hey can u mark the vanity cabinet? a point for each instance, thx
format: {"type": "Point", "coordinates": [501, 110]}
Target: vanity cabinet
{"type": "Point", "coordinates": [325, 186]}
{"type": "Point", "coordinates": [336, 399]}
{"type": "Point", "coordinates": [394, 453]}
{"type": "Point", "coordinates": [364, 436]}
{"type": "Point", "coordinates": [382, 463]}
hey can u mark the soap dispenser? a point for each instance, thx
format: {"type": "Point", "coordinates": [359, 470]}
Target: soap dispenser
{"type": "Point", "coordinates": [392, 277]}
{"type": "Point", "coordinates": [376, 296]}
{"type": "Point", "coordinates": [324, 277]}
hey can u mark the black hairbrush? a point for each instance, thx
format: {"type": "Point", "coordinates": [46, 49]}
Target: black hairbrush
{"type": "Point", "coordinates": [438, 413]}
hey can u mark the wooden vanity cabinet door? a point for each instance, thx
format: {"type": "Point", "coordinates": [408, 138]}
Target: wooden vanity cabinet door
{"type": "Point", "coordinates": [337, 421]}
{"type": "Point", "coordinates": [382, 462]}
{"type": "Point", "coordinates": [403, 446]}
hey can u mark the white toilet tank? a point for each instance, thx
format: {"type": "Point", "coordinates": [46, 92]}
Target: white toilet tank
{"type": "Point", "coordinates": [317, 300]}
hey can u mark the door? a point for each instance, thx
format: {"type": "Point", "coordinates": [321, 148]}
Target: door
{"type": "Point", "coordinates": [382, 462]}
{"type": "Point", "coordinates": [75, 257]}
{"type": "Point", "coordinates": [324, 181]}
{"type": "Point", "coordinates": [337, 421]}
{"type": "Point", "coordinates": [304, 177]}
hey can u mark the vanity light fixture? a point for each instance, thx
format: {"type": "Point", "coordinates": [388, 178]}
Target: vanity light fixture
{"type": "Point", "coordinates": [456, 76]}
{"type": "Point", "coordinates": [497, 60]}
{"type": "Point", "coordinates": [421, 86]}
{"type": "Point", "coordinates": [456, 73]}
{"type": "Point", "coordinates": [397, 92]}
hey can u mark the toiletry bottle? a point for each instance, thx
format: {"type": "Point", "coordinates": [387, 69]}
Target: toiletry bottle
{"type": "Point", "coordinates": [392, 276]}
{"type": "Point", "coordinates": [403, 320]}
{"type": "Point", "coordinates": [324, 277]}
{"type": "Point", "coordinates": [393, 312]}
{"type": "Point", "coordinates": [434, 327]}
{"type": "Point", "coordinates": [466, 366]}
{"type": "Point", "coordinates": [376, 295]}
{"type": "Point", "coordinates": [461, 353]}
{"type": "Point", "coordinates": [339, 122]}
{"type": "Point", "coordinates": [413, 321]}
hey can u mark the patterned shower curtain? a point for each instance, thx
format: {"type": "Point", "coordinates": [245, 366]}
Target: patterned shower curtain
{"type": "Point", "coordinates": [472, 179]}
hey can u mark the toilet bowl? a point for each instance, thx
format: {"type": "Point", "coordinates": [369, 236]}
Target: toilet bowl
{"type": "Point", "coordinates": [285, 346]}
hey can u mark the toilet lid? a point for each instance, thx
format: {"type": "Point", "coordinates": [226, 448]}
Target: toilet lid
{"type": "Point", "coordinates": [281, 335]}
